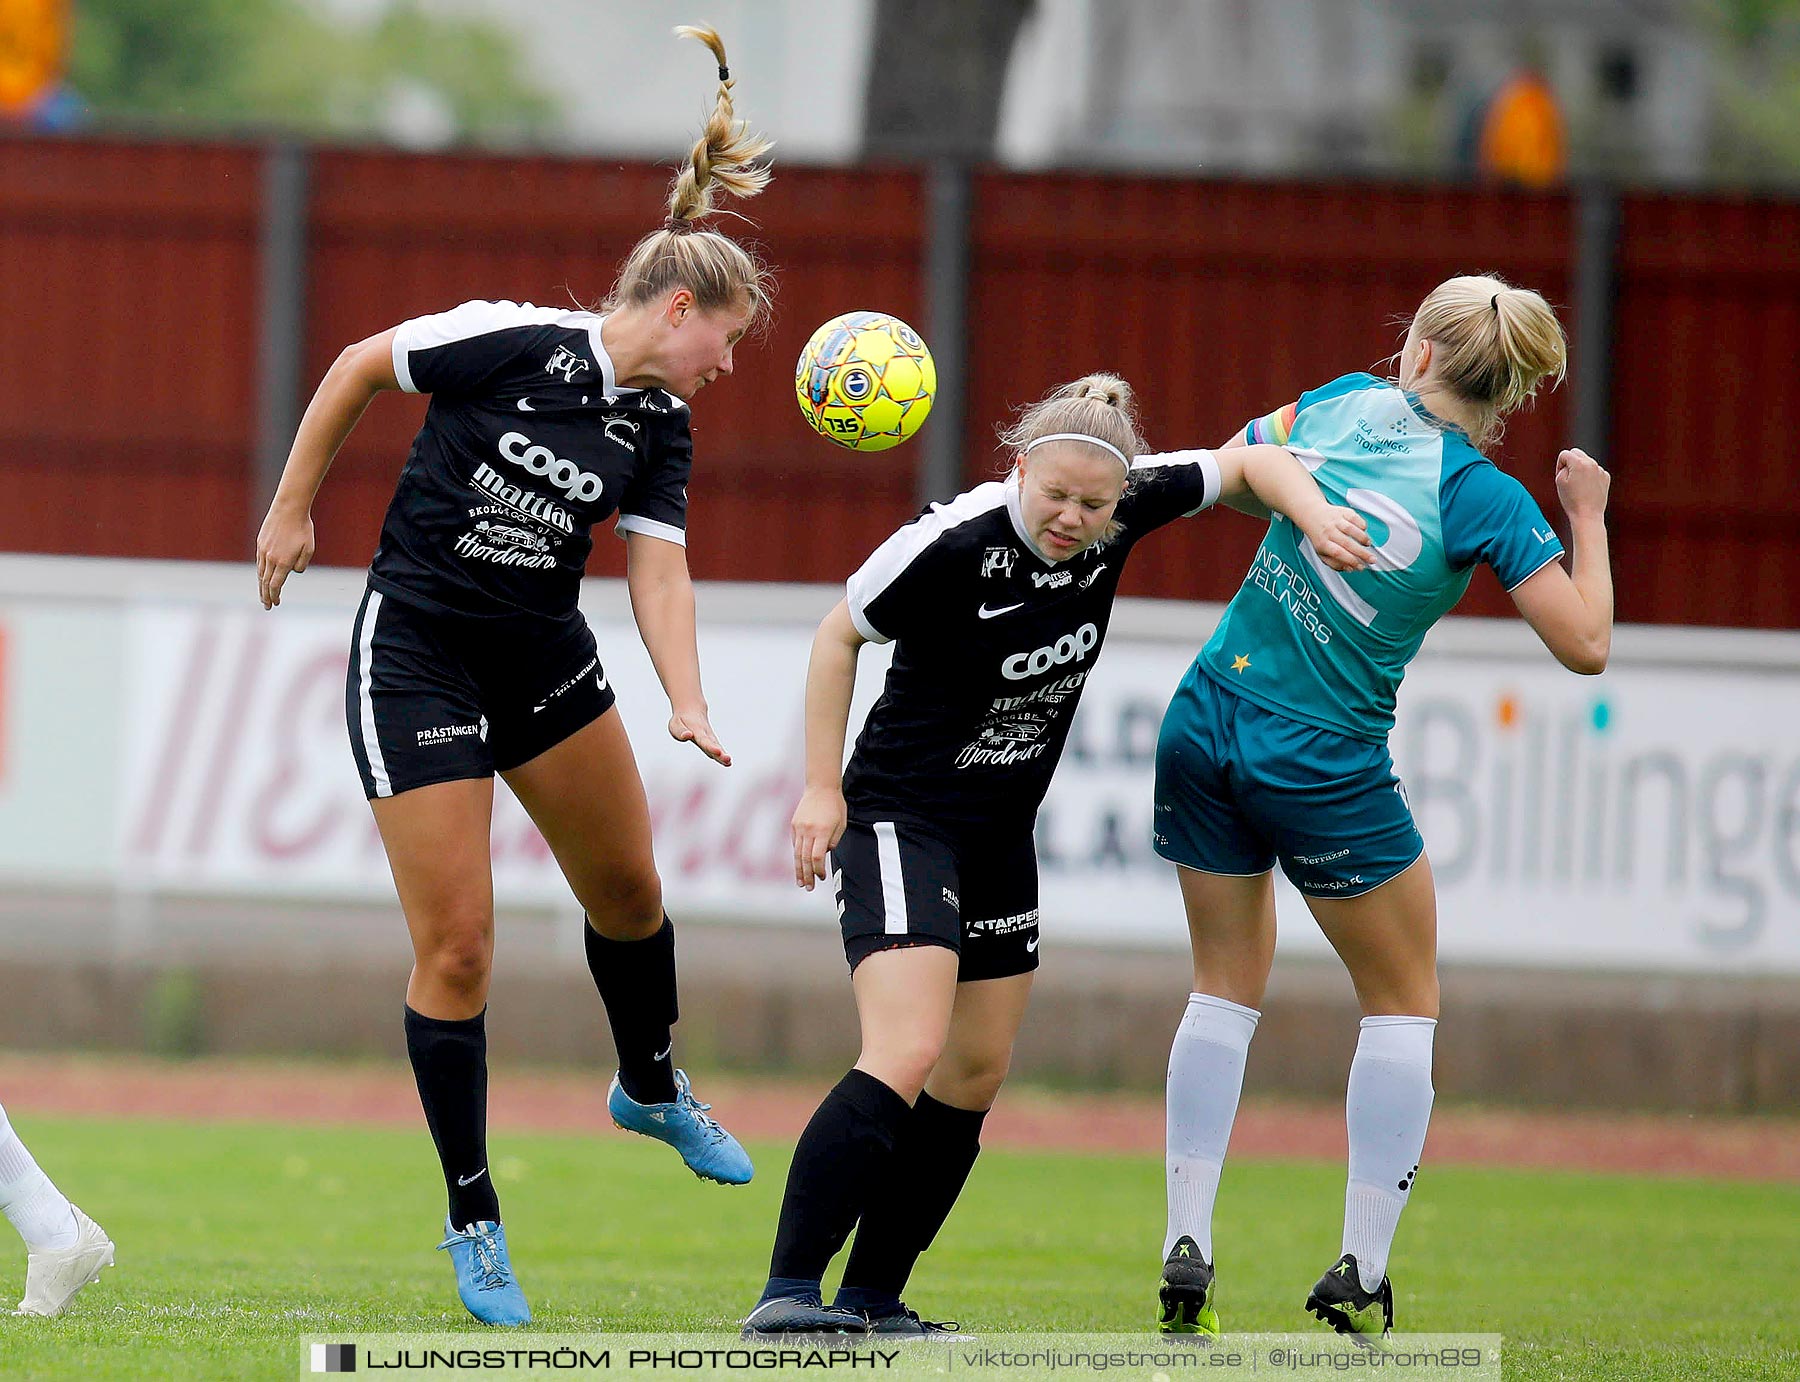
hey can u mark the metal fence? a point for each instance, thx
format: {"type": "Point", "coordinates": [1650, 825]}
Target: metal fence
{"type": "Point", "coordinates": [168, 307]}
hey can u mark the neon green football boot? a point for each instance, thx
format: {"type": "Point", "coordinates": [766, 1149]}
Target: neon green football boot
{"type": "Point", "coordinates": [1340, 1301]}
{"type": "Point", "coordinates": [1187, 1292]}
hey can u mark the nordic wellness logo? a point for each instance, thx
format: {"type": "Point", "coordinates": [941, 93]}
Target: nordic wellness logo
{"type": "Point", "coordinates": [1523, 793]}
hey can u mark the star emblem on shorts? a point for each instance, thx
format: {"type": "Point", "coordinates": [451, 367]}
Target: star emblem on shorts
{"type": "Point", "coordinates": [1240, 663]}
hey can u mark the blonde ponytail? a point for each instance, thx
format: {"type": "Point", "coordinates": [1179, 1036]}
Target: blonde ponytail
{"type": "Point", "coordinates": [725, 153]}
{"type": "Point", "coordinates": [716, 269]}
{"type": "Point", "coordinates": [1495, 344]}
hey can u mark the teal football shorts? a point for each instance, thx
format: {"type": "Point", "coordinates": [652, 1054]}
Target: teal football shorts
{"type": "Point", "coordinates": [1240, 787]}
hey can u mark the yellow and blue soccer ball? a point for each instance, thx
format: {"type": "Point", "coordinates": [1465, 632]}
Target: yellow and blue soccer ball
{"type": "Point", "coordinates": [865, 380]}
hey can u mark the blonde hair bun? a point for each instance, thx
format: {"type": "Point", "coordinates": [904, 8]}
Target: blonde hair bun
{"type": "Point", "coordinates": [1495, 344]}
{"type": "Point", "coordinates": [1096, 405]}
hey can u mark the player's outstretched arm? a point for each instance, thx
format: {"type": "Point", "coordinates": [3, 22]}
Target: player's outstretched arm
{"type": "Point", "coordinates": [1245, 501]}
{"type": "Point", "coordinates": [662, 603]}
{"type": "Point", "coordinates": [1572, 611]}
{"type": "Point", "coordinates": [1282, 484]}
{"type": "Point", "coordinates": [830, 682]}
{"type": "Point", "coordinates": [285, 542]}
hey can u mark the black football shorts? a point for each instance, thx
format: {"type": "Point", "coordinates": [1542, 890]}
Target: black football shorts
{"type": "Point", "coordinates": [898, 885]}
{"type": "Point", "coordinates": [439, 698]}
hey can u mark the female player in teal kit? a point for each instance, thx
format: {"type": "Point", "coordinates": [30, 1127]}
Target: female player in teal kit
{"type": "Point", "coordinates": [1274, 749]}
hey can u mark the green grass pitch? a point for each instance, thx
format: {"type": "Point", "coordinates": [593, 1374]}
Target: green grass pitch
{"type": "Point", "coordinates": [235, 1239]}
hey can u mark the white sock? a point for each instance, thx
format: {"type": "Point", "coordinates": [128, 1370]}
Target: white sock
{"type": "Point", "coordinates": [36, 1208]}
{"type": "Point", "coordinates": [1206, 1076]}
{"type": "Point", "coordinates": [1387, 1109]}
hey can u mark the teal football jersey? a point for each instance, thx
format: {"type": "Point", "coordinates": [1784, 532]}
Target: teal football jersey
{"type": "Point", "coordinates": [1329, 648]}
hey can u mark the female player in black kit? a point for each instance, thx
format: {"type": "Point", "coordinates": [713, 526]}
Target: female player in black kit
{"type": "Point", "coordinates": [470, 656]}
{"type": "Point", "coordinates": [997, 603]}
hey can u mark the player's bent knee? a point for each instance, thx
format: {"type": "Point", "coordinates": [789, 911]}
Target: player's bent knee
{"type": "Point", "coordinates": [971, 1086]}
{"type": "Point", "coordinates": [1409, 1002]}
{"type": "Point", "coordinates": [1391, 994]}
{"type": "Point", "coordinates": [624, 906]}
{"type": "Point", "coordinates": [903, 1066]}
{"type": "Point", "coordinates": [460, 965]}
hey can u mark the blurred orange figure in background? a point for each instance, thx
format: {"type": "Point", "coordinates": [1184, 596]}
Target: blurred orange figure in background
{"type": "Point", "coordinates": [1523, 138]}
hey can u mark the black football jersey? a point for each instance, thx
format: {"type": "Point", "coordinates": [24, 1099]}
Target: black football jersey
{"type": "Point", "coordinates": [529, 441]}
{"type": "Point", "coordinates": [993, 643]}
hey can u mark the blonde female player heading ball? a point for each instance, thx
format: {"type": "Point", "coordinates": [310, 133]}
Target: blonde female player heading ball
{"type": "Point", "coordinates": [997, 604]}
{"type": "Point", "coordinates": [1274, 749]}
{"type": "Point", "coordinates": [470, 656]}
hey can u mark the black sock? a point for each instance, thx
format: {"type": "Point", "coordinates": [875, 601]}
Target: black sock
{"type": "Point", "coordinates": [933, 1155]}
{"type": "Point", "coordinates": [449, 1061]}
{"type": "Point", "coordinates": [837, 1162]}
{"type": "Point", "coordinates": [636, 980]}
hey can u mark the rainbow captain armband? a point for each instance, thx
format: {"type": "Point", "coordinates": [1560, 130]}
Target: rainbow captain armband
{"type": "Point", "coordinates": [1274, 429]}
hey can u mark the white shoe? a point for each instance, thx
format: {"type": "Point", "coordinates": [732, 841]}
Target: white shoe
{"type": "Point", "coordinates": [53, 1277]}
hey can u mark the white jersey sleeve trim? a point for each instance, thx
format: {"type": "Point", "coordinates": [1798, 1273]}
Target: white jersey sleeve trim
{"type": "Point", "coordinates": [402, 370]}
{"type": "Point", "coordinates": [1554, 556]}
{"type": "Point", "coordinates": [888, 561]}
{"type": "Point", "coordinates": [468, 319]}
{"type": "Point", "coordinates": [869, 632]}
{"type": "Point", "coordinates": [1209, 467]}
{"type": "Point", "coordinates": [649, 527]}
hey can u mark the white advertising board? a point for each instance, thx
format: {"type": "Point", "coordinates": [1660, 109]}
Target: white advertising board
{"type": "Point", "coordinates": [239, 776]}
{"type": "Point", "coordinates": [1645, 819]}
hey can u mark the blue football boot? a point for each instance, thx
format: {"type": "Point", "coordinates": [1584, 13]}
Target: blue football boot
{"type": "Point", "coordinates": [709, 1151]}
{"type": "Point", "coordinates": [484, 1275]}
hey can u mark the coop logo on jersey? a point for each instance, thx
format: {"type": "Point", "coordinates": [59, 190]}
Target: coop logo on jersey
{"type": "Point", "coordinates": [582, 486]}
{"type": "Point", "coordinates": [1071, 647]}
{"type": "Point", "coordinates": [998, 561]}
{"type": "Point", "coordinates": [565, 364]}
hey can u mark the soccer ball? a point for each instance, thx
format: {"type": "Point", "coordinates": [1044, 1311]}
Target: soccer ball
{"type": "Point", "coordinates": [865, 380]}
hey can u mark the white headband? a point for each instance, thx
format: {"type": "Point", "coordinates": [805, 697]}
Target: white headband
{"type": "Point", "coordinates": [1083, 436]}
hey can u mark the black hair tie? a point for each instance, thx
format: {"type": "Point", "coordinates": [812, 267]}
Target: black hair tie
{"type": "Point", "coordinates": [724, 73]}
{"type": "Point", "coordinates": [1494, 302]}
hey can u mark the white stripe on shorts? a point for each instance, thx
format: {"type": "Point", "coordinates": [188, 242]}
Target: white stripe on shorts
{"type": "Point", "coordinates": [893, 886]}
{"type": "Point", "coordinates": [378, 773]}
